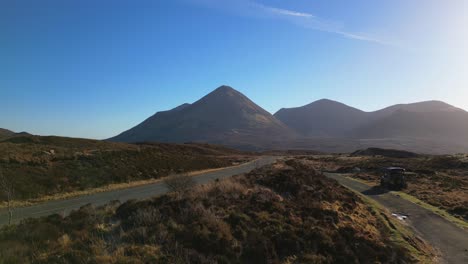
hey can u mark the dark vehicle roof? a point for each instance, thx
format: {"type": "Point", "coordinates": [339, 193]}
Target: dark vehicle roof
{"type": "Point", "coordinates": [395, 169]}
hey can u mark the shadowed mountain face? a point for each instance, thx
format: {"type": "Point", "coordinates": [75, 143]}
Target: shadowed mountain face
{"type": "Point", "coordinates": [432, 120]}
{"type": "Point", "coordinates": [4, 133]}
{"type": "Point", "coordinates": [451, 126]}
{"type": "Point", "coordinates": [227, 117]}
{"type": "Point", "coordinates": [323, 118]}
{"type": "Point", "coordinates": [422, 107]}
{"type": "Point", "coordinates": [223, 116]}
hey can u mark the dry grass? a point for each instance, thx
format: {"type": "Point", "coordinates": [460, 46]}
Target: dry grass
{"type": "Point", "coordinates": [107, 188]}
{"type": "Point", "coordinates": [45, 166]}
{"type": "Point", "coordinates": [402, 235]}
{"type": "Point", "coordinates": [438, 181]}
{"type": "Point", "coordinates": [459, 222]}
{"type": "Point", "coordinates": [276, 214]}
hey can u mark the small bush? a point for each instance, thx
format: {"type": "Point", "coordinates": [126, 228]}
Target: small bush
{"type": "Point", "coordinates": [179, 183]}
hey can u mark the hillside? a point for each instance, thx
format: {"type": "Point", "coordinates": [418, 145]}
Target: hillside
{"type": "Point", "coordinates": [39, 166]}
{"type": "Point", "coordinates": [426, 127]}
{"type": "Point", "coordinates": [421, 107]}
{"type": "Point", "coordinates": [451, 126]}
{"type": "Point", "coordinates": [4, 133]}
{"type": "Point", "coordinates": [432, 120]}
{"type": "Point", "coordinates": [285, 213]}
{"type": "Point", "coordinates": [224, 116]}
{"type": "Point", "coordinates": [323, 118]}
{"type": "Point", "coordinates": [391, 153]}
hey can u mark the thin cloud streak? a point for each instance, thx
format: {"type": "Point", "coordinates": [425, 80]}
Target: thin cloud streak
{"type": "Point", "coordinates": [362, 37]}
{"type": "Point", "coordinates": [301, 19]}
{"type": "Point", "coordinates": [281, 11]}
{"type": "Point", "coordinates": [312, 22]}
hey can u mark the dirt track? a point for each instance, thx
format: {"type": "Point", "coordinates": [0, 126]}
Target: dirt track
{"type": "Point", "coordinates": [451, 240]}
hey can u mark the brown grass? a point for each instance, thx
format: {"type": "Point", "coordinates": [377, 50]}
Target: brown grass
{"type": "Point", "coordinates": [107, 188]}
{"type": "Point", "coordinates": [278, 214]}
{"type": "Point", "coordinates": [439, 181]}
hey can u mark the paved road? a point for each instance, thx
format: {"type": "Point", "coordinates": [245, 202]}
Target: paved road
{"type": "Point", "coordinates": [451, 240]}
{"type": "Point", "coordinates": [139, 192]}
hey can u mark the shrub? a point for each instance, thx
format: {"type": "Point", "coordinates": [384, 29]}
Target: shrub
{"type": "Point", "coordinates": [179, 183]}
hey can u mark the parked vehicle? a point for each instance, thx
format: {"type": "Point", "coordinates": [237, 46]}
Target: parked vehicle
{"type": "Point", "coordinates": [394, 178]}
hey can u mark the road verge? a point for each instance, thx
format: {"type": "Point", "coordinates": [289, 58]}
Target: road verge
{"type": "Point", "coordinates": [107, 188]}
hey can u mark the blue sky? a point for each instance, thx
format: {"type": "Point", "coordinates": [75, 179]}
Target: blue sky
{"type": "Point", "coordinates": [95, 68]}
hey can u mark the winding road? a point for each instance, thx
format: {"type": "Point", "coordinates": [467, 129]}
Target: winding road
{"type": "Point", "coordinates": [139, 192]}
{"type": "Point", "coordinates": [449, 239]}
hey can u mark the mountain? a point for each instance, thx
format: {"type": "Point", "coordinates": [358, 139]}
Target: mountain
{"type": "Point", "coordinates": [421, 107]}
{"type": "Point", "coordinates": [448, 124]}
{"type": "Point", "coordinates": [5, 134]}
{"type": "Point", "coordinates": [323, 118]}
{"type": "Point", "coordinates": [431, 127]}
{"type": "Point", "coordinates": [224, 116]}
{"type": "Point", "coordinates": [227, 117]}
{"type": "Point", "coordinates": [430, 120]}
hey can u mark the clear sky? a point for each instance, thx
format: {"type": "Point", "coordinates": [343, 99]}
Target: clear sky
{"type": "Point", "coordinates": [88, 68]}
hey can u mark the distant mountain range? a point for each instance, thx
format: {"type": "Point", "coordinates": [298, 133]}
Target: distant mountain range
{"type": "Point", "coordinates": [432, 120]}
{"type": "Point", "coordinates": [226, 116]}
{"type": "Point", "coordinates": [5, 133]}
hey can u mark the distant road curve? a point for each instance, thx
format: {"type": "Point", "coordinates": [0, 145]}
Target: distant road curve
{"type": "Point", "coordinates": [451, 240]}
{"type": "Point", "coordinates": [123, 195]}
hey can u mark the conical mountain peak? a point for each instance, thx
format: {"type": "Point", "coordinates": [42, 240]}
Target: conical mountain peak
{"type": "Point", "coordinates": [224, 115]}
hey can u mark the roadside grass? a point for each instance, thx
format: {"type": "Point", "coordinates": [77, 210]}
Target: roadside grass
{"type": "Point", "coordinates": [459, 222]}
{"type": "Point", "coordinates": [276, 214]}
{"type": "Point", "coordinates": [46, 166]}
{"type": "Point", "coordinates": [107, 188]}
{"type": "Point", "coordinates": [446, 215]}
{"type": "Point", "coordinates": [401, 234]}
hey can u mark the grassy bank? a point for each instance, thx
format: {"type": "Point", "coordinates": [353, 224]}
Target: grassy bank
{"type": "Point", "coordinates": [284, 213]}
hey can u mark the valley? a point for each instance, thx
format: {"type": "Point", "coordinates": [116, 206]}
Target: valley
{"type": "Point", "coordinates": [281, 191]}
{"type": "Point", "coordinates": [263, 188]}
{"type": "Point", "coordinates": [233, 132]}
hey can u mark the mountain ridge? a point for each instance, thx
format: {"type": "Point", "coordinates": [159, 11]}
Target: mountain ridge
{"type": "Point", "coordinates": [6, 134]}
{"type": "Point", "coordinates": [223, 113]}
{"type": "Point", "coordinates": [328, 117]}
{"type": "Point", "coordinates": [227, 117]}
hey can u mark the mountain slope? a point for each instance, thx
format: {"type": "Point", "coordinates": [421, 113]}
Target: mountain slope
{"type": "Point", "coordinates": [38, 166]}
{"type": "Point", "coordinates": [421, 107]}
{"type": "Point", "coordinates": [433, 120]}
{"type": "Point", "coordinates": [442, 125]}
{"type": "Point", "coordinates": [323, 118]}
{"type": "Point", "coordinates": [4, 133]}
{"type": "Point", "coordinates": [227, 117]}
{"type": "Point", "coordinates": [224, 116]}
{"type": "Point", "coordinates": [428, 127]}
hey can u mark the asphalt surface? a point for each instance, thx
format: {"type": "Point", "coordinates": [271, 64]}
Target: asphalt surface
{"type": "Point", "coordinates": [139, 192]}
{"type": "Point", "coordinates": [449, 239]}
